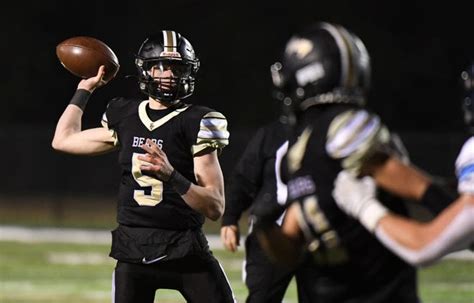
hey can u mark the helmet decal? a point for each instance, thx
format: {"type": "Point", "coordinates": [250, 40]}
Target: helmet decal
{"type": "Point", "coordinates": [300, 47]}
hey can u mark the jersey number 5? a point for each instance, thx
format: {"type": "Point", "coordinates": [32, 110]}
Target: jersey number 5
{"type": "Point", "coordinates": [156, 185]}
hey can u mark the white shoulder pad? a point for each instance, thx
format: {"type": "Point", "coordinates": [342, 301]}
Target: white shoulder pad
{"type": "Point", "coordinates": [212, 132]}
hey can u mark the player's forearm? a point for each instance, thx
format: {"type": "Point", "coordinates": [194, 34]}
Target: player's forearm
{"type": "Point", "coordinates": [401, 179]}
{"type": "Point", "coordinates": [70, 121]}
{"type": "Point", "coordinates": [69, 124]}
{"type": "Point", "coordinates": [424, 243]}
{"type": "Point", "coordinates": [205, 200]}
{"type": "Point", "coordinates": [411, 183]}
{"type": "Point", "coordinates": [408, 233]}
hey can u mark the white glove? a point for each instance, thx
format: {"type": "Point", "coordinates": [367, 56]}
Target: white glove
{"type": "Point", "coordinates": [465, 168]}
{"type": "Point", "coordinates": [356, 197]}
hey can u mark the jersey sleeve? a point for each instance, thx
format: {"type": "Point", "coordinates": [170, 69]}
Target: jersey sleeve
{"type": "Point", "coordinates": [212, 133]}
{"type": "Point", "coordinates": [357, 137]}
{"type": "Point", "coordinates": [457, 234]}
{"type": "Point", "coordinates": [110, 118]}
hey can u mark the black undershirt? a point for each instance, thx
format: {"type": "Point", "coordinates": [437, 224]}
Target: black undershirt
{"type": "Point", "coordinates": [156, 114]}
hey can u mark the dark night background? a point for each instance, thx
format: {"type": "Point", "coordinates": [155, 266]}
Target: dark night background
{"type": "Point", "coordinates": [418, 49]}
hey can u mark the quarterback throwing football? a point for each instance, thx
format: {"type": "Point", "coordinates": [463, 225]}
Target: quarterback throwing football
{"type": "Point", "coordinates": [171, 177]}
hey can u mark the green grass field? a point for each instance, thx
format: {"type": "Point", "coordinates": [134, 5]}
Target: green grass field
{"type": "Point", "coordinates": [73, 273]}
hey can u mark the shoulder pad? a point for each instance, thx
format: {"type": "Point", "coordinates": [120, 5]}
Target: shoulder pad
{"type": "Point", "coordinates": [212, 132]}
{"type": "Point", "coordinates": [354, 136]}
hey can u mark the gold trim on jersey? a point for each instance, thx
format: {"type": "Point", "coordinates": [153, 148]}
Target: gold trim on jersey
{"type": "Point", "coordinates": [315, 215]}
{"type": "Point", "coordinates": [297, 150]}
{"type": "Point", "coordinates": [212, 133]}
{"type": "Point", "coordinates": [152, 125]}
{"type": "Point", "coordinates": [139, 195]}
{"type": "Point", "coordinates": [319, 233]}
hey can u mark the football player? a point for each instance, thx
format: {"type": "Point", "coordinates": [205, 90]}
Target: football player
{"type": "Point", "coordinates": [416, 242]}
{"type": "Point", "coordinates": [171, 177]}
{"type": "Point", "coordinates": [323, 78]}
{"type": "Point", "coordinates": [256, 177]}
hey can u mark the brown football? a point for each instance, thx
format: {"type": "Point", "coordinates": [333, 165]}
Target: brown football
{"type": "Point", "coordinates": [83, 56]}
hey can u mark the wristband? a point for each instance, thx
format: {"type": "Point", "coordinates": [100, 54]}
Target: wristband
{"type": "Point", "coordinates": [180, 184]}
{"type": "Point", "coordinates": [436, 198]}
{"type": "Point", "coordinates": [80, 98]}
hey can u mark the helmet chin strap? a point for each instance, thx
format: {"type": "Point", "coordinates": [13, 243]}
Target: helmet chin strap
{"type": "Point", "coordinates": [151, 93]}
{"type": "Point", "coordinates": [167, 103]}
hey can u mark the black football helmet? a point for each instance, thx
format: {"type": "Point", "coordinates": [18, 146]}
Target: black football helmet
{"type": "Point", "coordinates": [467, 77]}
{"type": "Point", "coordinates": [323, 64]}
{"type": "Point", "coordinates": [167, 50]}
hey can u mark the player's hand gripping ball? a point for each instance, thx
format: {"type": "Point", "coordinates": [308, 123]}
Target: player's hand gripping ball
{"type": "Point", "coordinates": [83, 56]}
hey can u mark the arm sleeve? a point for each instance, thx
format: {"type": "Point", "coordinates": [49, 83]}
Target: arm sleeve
{"type": "Point", "coordinates": [245, 181]}
{"type": "Point", "coordinates": [459, 234]}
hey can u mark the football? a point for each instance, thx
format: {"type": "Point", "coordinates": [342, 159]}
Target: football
{"type": "Point", "coordinates": [83, 56]}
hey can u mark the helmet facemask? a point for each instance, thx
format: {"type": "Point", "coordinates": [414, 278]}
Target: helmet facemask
{"type": "Point", "coordinates": [166, 79]}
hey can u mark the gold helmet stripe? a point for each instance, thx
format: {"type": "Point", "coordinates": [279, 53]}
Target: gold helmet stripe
{"type": "Point", "coordinates": [342, 38]}
{"type": "Point", "coordinates": [352, 73]}
{"type": "Point", "coordinates": [169, 41]}
{"type": "Point", "coordinates": [344, 50]}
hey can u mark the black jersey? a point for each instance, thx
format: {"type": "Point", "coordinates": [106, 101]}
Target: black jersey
{"type": "Point", "coordinates": [255, 175]}
{"type": "Point", "coordinates": [355, 267]}
{"type": "Point", "coordinates": [182, 133]}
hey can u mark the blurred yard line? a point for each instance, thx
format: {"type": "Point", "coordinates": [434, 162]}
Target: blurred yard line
{"type": "Point", "coordinates": [87, 236]}
{"type": "Point", "coordinates": [71, 235]}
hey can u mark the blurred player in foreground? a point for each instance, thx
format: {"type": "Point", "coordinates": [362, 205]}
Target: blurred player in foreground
{"type": "Point", "coordinates": [324, 76]}
{"type": "Point", "coordinates": [416, 242]}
